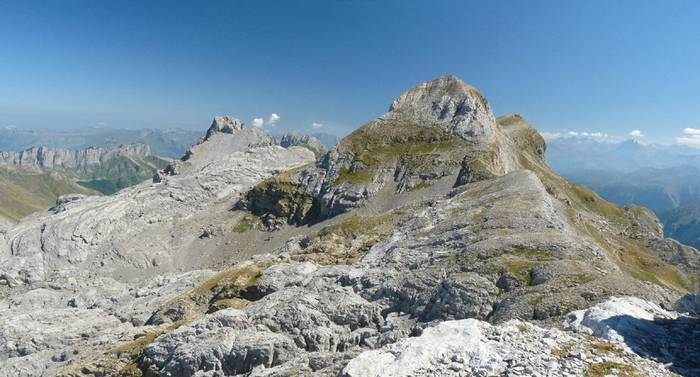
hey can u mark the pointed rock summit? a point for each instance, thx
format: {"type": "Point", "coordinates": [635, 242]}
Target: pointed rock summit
{"type": "Point", "coordinates": [449, 103]}
{"type": "Point", "coordinates": [439, 132]}
{"type": "Point", "coordinates": [224, 124]}
{"type": "Point", "coordinates": [225, 136]}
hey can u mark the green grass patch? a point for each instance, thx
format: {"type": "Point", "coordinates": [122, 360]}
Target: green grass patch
{"type": "Point", "coordinates": [606, 347]}
{"type": "Point", "coordinates": [582, 278]}
{"type": "Point", "coordinates": [356, 225]}
{"type": "Point", "coordinates": [535, 300]}
{"type": "Point", "coordinates": [532, 253]}
{"type": "Point", "coordinates": [353, 177]}
{"type": "Point", "coordinates": [24, 192]}
{"type": "Point", "coordinates": [608, 367]}
{"type": "Point", "coordinates": [562, 351]}
{"type": "Point", "coordinates": [478, 216]}
{"type": "Point", "coordinates": [521, 269]}
{"type": "Point", "coordinates": [248, 222]}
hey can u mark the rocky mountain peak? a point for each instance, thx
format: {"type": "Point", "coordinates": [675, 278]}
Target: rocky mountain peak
{"type": "Point", "coordinates": [293, 138]}
{"type": "Point", "coordinates": [224, 124]}
{"type": "Point", "coordinates": [450, 103]}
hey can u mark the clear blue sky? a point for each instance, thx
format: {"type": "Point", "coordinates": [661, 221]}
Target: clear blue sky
{"type": "Point", "coordinates": [609, 66]}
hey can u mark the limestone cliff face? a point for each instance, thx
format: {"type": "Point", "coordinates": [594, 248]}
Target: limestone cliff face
{"type": "Point", "coordinates": [71, 159]}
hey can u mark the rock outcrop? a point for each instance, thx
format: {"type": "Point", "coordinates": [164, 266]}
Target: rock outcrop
{"type": "Point", "coordinates": [291, 139]}
{"type": "Point", "coordinates": [646, 329]}
{"type": "Point", "coordinates": [474, 348]}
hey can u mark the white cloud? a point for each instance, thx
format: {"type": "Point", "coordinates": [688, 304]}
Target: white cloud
{"type": "Point", "coordinates": [273, 119]}
{"type": "Point", "coordinates": [690, 137]}
{"type": "Point", "coordinates": [316, 126]}
{"type": "Point", "coordinates": [258, 122]}
{"type": "Point", "coordinates": [548, 136]}
{"type": "Point", "coordinates": [693, 141]}
{"type": "Point", "coordinates": [597, 136]}
{"type": "Point", "coordinates": [636, 134]}
{"type": "Point", "coordinates": [10, 127]}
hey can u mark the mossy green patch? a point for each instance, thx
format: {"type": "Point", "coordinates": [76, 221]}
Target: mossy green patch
{"type": "Point", "coordinates": [521, 269]}
{"type": "Point", "coordinates": [248, 222]}
{"type": "Point", "coordinates": [237, 281]}
{"type": "Point", "coordinates": [532, 253]}
{"type": "Point", "coordinates": [609, 367]}
{"type": "Point", "coordinates": [126, 357]}
{"type": "Point", "coordinates": [356, 225]}
{"type": "Point", "coordinates": [353, 177]}
{"type": "Point", "coordinates": [478, 216]}
{"type": "Point", "coordinates": [562, 351]}
{"type": "Point", "coordinates": [606, 347]}
{"type": "Point", "coordinates": [645, 265]}
{"type": "Point", "coordinates": [582, 278]}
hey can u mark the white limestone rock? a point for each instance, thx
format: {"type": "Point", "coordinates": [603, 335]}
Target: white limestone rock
{"type": "Point", "coordinates": [143, 226]}
{"type": "Point", "coordinates": [475, 348]}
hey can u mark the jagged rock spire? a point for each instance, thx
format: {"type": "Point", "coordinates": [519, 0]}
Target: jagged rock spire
{"type": "Point", "coordinates": [224, 124]}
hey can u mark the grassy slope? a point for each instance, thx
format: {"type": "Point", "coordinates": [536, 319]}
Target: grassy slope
{"type": "Point", "coordinates": [585, 209]}
{"type": "Point", "coordinates": [23, 192]}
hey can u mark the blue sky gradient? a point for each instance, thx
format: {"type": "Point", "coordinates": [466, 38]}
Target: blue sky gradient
{"type": "Point", "coordinates": [606, 66]}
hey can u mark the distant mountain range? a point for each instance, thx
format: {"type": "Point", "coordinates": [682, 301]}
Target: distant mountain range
{"type": "Point", "coordinates": [663, 178]}
{"type": "Point", "coordinates": [582, 154]}
{"type": "Point", "coordinates": [170, 142]}
{"type": "Point", "coordinates": [31, 180]}
{"type": "Point", "coordinates": [167, 142]}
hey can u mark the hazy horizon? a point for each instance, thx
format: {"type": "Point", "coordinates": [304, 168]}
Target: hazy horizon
{"type": "Point", "coordinates": [333, 66]}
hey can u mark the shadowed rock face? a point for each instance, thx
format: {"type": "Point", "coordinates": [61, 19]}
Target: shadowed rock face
{"type": "Point", "coordinates": [645, 329]}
